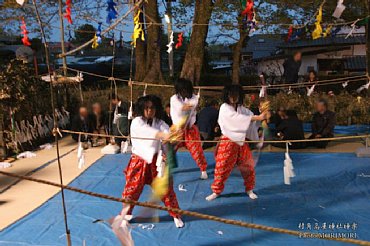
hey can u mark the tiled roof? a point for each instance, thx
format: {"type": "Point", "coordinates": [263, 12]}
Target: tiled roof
{"type": "Point", "coordinates": [355, 63]}
{"type": "Point", "coordinates": [338, 40]}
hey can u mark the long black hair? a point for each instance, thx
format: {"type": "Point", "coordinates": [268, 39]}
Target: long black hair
{"type": "Point", "coordinates": [156, 101]}
{"type": "Point", "coordinates": [184, 88]}
{"type": "Point", "coordinates": [233, 91]}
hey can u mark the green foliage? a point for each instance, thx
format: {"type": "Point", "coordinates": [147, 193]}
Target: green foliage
{"type": "Point", "coordinates": [21, 90]}
{"type": "Point", "coordinates": [84, 33]}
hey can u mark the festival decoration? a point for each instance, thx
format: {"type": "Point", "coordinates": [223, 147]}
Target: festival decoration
{"type": "Point", "coordinates": [310, 90]}
{"type": "Point", "coordinates": [98, 33]}
{"type": "Point", "coordinates": [318, 29]}
{"type": "Point", "coordinates": [67, 15]}
{"type": "Point", "coordinates": [25, 39]}
{"type": "Point", "coordinates": [288, 166]}
{"type": "Point", "coordinates": [344, 85]}
{"type": "Point", "coordinates": [339, 9]}
{"type": "Point", "coordinates": [20, 2]}
{"type": "Point", "coordinates": [180, 39]}
{"type": "Point", "coordinates": [327, 31]}
{"type": "Point", "coordinates": [138, 29]}
{"type": "Point", "coordinates": [353, 25]}
{"type": "Point", "coordinates": [112, 13]}
{"type": "Point", "coordinates": [252, 24]}
{"type": "Point", "coordinates": [248, 11]}
{"type": "Point", "coordinates": [95, 43]}
{"type": "Point", "coordinates": [363, 87]}
{"type": "Point", "coordinates": [290, 33]}
{"type": "Point", "coordinates": [170, 44]}
{"type": "Point", "coordinates": [80, 154]}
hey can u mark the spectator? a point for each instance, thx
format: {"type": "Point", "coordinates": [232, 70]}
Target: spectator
{"type": "Point", "coordinates": [312, 80]}
{"type": "Point", "coordinates": [82, 123]}
{"type": "Point", "coordinates": [290, 128]}
{"type": "Point", "coordinates": [207, 121]}
{"type": "Point", "coordinates": [279, 116]}
{"type": "Point", "coordinates": [99, 119]}
{"type": "Point", "coordinates": [120, 123]}
{"type": "Point", "coordinates": [291, 68]}
{"type": "Point", "coordinates": [323, 123]}
{"type": "Point", "coordinates": [167, 115]}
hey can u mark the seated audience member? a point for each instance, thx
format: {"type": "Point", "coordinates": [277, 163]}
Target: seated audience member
{"type": "Point", "coordinates": [120, 123]}
{"type": "Point", "coordinates": [167, 115]}
{"type": "Point", "coordinates": [279, 116]}
{"type": "Point", "coordinates": [207, 122]}
{"type": "Point", "coordinates": [323, 123]}
{"type": "Point", "coordinates": [312, 80]}
{"type": "Point", "coordinates": [99, 119]}
{"type": "Point", "coordinates": [290, 128]}
{"type": "Point", "coordinates": [82, 123]}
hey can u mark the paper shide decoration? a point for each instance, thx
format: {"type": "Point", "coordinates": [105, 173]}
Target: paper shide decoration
{"type": "Point", "coordinates": [112, 13]}
{"type": "Point", "coordinates": [138, 29]}
{"type": "Point", "coordinates": [67, 15]}
{"type": "Point", "coordinates": [248, 9]}
{"type": "Point", "coordinates": [25, 39]}
{"type": "Point", "coordinates": [170, 44]}
{"type": "Point", "coordinates": [339, 9]}
{"type": "Point", "coordinates": [318, 29]}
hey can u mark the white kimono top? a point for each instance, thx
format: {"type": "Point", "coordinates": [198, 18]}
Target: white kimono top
{"type": "Point", "coordinates": [237, 125]}
{"type": "Point", "coordinates": [177, 104]}
{"type": "Point", "coordinates": [145, 148]}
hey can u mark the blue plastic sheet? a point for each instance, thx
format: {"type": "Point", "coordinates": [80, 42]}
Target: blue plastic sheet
{"type": "Point", "coordinates": [328, 188]}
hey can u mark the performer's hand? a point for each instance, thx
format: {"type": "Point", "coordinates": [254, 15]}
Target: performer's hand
{"type": "Point", "coordinates": [187, 107]}
{"type": "Point", "coordinates": [162, 135]}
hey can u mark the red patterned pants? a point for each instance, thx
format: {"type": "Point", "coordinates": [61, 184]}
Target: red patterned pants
{"type": "Point", "coordinates": [195, 148]}
{"type": "Point", "coordinates": [139, 173]}
{"type": "Point", "coordinates": [228, 155]}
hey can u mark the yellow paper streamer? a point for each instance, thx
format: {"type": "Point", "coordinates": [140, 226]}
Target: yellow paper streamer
{"type": "Point", "coordinates": [138, 29]}
{"type": "Point", "coordinates": [95, 43]}
{"type": "Point", "coordinates": [328, 31]}
{"type": "Point", "coordinates": [318, 29]}
{"type": "Point", "coordinates": [160, 185]}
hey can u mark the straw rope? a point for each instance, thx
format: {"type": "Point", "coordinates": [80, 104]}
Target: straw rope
{"type": "Point", "coordinates": [184, 212]}
{"type": "Point", "coordinates": [217, 141]}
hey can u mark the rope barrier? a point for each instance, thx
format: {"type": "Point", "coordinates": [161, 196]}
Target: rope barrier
{"type": "Point", "coordinates": [217, 141]}
{"type": "Point", "coordinates": [184, 212]}
{"type": "Point", "coordinates": [277, 86]}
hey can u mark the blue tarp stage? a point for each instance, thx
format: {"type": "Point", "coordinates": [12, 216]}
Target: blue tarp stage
{"type": "Point", "coordinates": [328, 188]}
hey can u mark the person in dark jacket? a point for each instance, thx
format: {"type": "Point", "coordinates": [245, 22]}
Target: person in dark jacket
{"type": "Point", "coordinates": [119, 119]}
{"type": "Point", "coordinates": [291, 68]}
{"type": "Point", "coordinates": [99, 119]}
{"type": "Point", "coordinates": [207, 122]}
{"type": "Point", "coordinates": [290, 128]}
{"type": "Point", "coordinates": [82, 123]}
{"type": "Point", "coordinates": [323, 123]}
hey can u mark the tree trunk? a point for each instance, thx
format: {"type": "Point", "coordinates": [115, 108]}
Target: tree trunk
{"type": "Point", "coordinates": [193, 63]}
{"type": "Point", "coordinates": [140, 56]}
{"type": "Point", "coordinates": [153, 52]}
{"type": "Point", "coordinates": [237, 50]}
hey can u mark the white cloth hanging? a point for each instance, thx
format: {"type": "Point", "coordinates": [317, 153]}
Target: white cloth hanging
{"type": "Point", "coordinates": [310, 90]}
{"type": "Point", "coordinates": [339, 9]}
{"type": "Point", "coordinates": [80, 154]}
{"type": "Point", "coordinates": [263, 91]}
{"type": "Point", "coordinates": [288, 166]}
{"type": "Point", "coordinates": [363, 87]}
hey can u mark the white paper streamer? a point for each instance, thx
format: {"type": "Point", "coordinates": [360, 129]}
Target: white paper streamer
{"type": "Point", "coordinates": [170, 44]}
{"type": "Point", "coordinates": [339, 9]}
{"type": "Point", "coordinates": [288, 166]}
{"type": "Point", "coordinates": [263, 91]}
{"type": "Point", "coordinates": [310, 90]}
{"type": "Point", "coordinates": [80, 154]}
{"type": "Point", "coordinates": [363, 87]}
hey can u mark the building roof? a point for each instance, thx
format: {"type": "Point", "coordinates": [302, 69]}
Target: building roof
{"type": "Point", "coordinates": [332, 41]}
{"type": "Point", "coordinates": [355, 63]}
{"type": "Point", "coordinates": [263, 45]}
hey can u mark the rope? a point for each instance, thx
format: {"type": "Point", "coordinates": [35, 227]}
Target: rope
{"type": "Point", "coordinates": [183, 212]}
{"type": "Point", "coordinates": [217, 141]}
{"type": "Point", "coordinates": [277, 86]}
{"type": "Point", "coordinates": [103, 32]}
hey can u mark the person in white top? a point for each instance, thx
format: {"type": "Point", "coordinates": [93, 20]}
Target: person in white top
{"type": "Point", "coordinates": [147, 131]}
{"type": "Point", "coordinates": [182, 103]}
{"type": "Point", "coordinates": [237, 123]}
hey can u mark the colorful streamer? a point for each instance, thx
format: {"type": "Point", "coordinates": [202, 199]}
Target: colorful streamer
{"type": "Point", "coordinates": [98, 33]}
{"type": "Point", "coordinates": [95, 43]}
{"type": "Point", "coordinates": [138, 29]}
{"type": "Point", "coordinates": [25, 39]}
{"type": "Point", "coordinates": [318, 29]}
{"type": "Point", "coordinates": [67, 15]}
{"type": "Point", "coordinates": [180, 39]}
{"type": "Point", "coordinates": [290, 33]}
{"type": "Point", "coordinates": [112, 13]}
{"type": "Point", "coordinates": [248, 11]}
